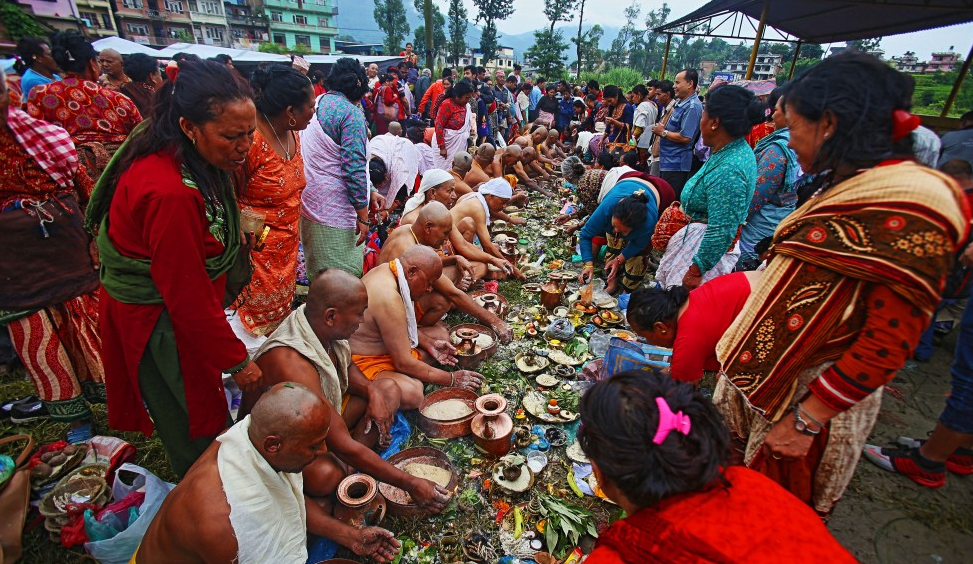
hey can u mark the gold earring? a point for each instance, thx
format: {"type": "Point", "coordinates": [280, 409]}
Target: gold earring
{"type": "Point", "coordinates": [291, 122]}
{"type": "Point", "coordinates": [194, 141]}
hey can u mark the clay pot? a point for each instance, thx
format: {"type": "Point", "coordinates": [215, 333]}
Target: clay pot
{"type": "Point", "coordinates": [359, 502]}
{"type": "Point", "coordinates": [449, 429]}
{"type": "Point", "coordinates": [467, 344]}
{"type": "Point", "coordinates": [512, 472]}
{"type": "Point", "coordinates": [492, 427]}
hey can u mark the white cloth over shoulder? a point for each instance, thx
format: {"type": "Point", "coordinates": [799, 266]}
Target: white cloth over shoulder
{"type": "Point", "coordinates": [679, 255]}
{"type": "Point", "coordinates": [407, 304]}
{"type": "Point", "coordinates": [482, 200]}
{"type": "Point", "coordinates": [455, 141]}
{"type": "Point", "coordinates": [267, 509]}
{"type": "Point", "coordinates": [401, 160]}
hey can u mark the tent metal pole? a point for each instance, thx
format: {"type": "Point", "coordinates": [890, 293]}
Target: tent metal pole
{"type": "Point", "coordinates": [665, 57]}
{"type": "Point", "coordinates": [797, 53]}
{"type": "Point", "coordinates": [758, 39]}
{"type": "Point", "coordinates": [965, 70]}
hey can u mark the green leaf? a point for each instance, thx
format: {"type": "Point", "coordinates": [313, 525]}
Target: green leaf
{"type": "Point", "coordinates": [550, 536]}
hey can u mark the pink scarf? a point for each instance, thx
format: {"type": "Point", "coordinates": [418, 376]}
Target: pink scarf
{"type": "Point", "coordinates": [51, 146]}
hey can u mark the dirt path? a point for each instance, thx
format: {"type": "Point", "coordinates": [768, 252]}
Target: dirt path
{"type": "Point", "coordinates": [886, 519]}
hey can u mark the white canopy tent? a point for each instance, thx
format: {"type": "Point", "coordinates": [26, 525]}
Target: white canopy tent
{"type": "Point", "coordinates": [208, 51]}
{"type": "Point", "coordinates": [125, 47]}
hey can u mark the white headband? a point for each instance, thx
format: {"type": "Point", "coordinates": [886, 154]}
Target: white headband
{"type": "Point", "coordinates": [430, 179]}
{"type": "Point", "coordinates": [498, 187]}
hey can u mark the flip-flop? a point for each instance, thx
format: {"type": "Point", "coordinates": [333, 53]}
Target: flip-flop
{"type": "Point", "coordinates": [7, 407]}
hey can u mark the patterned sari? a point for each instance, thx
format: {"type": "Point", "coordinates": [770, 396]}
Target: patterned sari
{"type": "Point", "coordinates": [274, 189]}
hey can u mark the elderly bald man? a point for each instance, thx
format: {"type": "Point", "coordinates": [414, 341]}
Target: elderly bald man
{"type": "Point", "coordinates": [511, 163]}
{"type": "Point", "coordinates": [483, 168]}
{"type": "Point", "coordinates": [112, 70]}
{"type": "Point", "coordinates": [531, 162]}
{"type": "Point", "coordinates": [390, 344]}
{"type": "Point", "coordinates": [462, 163]}
{"type": "Point", "coordinates": [432, 228]}
{"type": "Point", "coordinates": [311, 348]}
{"type": "Point", "coordinates": [247, 488]}
{"type": "Point", "coordinates": [395, 129]}
{"type": "Point", "coordinates": [478, 209]}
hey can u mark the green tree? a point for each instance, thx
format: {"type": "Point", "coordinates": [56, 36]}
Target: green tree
{"type": "Point", "coordinates": [579, 40]}
{"type": "Point", "coordinates": [801, 66]}
{"type": "Point", "coordinates": [783, 49]}
{"type": "Point", "coordinates": [546, 54]}
{"type": "Point", "coordinates": [390, 17]}
{"type": "Point", "coordinates": [559, 11]}
{"type": "Point", "coordinates": [489, 11]}
{"type": "Point", "coordinates": [590, 55]}
{"type": "Point", "coordinates": [276, 48]}
{"type": "Point", "coordinates": [620, 51]}
{"type": "Point", "coordinates": [457, 30]}
{"type": "Point", "coordinates": [649, 47]}
{"type": "Point", "coordinates": [20, 25]}
{"type": "Point", "coordinates": [811, 51]}
{"type": "Point", "coordinates": [438, 35]}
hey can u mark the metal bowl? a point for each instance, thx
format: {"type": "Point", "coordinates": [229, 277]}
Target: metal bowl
{"type": "Point", "coordinates": [399, 501]}
{"type": "Point", "coordinates": [448, 429]}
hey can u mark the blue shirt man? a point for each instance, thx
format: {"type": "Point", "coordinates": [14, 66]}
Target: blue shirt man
{"type": "Point", "coordinates": [679, 134]}
{"type": "Point", "coordinates": [535, 97]}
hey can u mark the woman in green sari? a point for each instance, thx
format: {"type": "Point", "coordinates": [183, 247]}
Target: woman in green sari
{"type": "Point", "coordinates": [172, 258]}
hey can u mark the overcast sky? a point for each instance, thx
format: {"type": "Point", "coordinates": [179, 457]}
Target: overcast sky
{"type": "Point", "coordinates": [529, 15]}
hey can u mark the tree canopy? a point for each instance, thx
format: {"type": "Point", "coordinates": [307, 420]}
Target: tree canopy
{"type": "Point", "coordinates": [390, 17]}
{"type": "Point", "coordinates": [488, 12]}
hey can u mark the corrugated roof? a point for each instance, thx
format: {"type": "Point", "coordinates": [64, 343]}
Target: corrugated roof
{"type": "Point", "coordinates": [827, 21]}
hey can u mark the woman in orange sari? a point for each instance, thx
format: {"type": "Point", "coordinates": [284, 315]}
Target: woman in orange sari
{"type": "Point", "coordinates": [274, 181]}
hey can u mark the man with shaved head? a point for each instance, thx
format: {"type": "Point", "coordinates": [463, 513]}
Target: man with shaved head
{"type": "Point", "coordinates": [534, 168]}
{"type": "Point", "coordinates": [510, 162]}
{"type": "Point", "coordinates": [462, 163]}
{"type": "Point", "coordinates": [390, 344]}
{"type": "Point", "coordinates": [395, 129]}
{"type": "Point", "coordinates": [311, 348]}
{"type": "Point", "coordinates": [551, 147]}
{"type": "Point", "coordinates": [432, 228]}
{"type": "Point", "coordinates": [112, 70]}
{"type": "Point", "coordinates": [246, 489]}
{"type": "Point", "coordinates": [482, 169]}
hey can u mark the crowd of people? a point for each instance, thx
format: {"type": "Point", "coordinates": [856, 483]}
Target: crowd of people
{"type": "Point", "coordinates": [156, 222]}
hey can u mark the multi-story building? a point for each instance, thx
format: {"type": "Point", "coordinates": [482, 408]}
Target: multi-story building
{"type": "Point", "coordinates": [209, 22]}
{"type": "Point", "coordinates": [504, 60]}
{"type": "Point", "coordinates": [908, 63]}
{"type": "Point", "coordinates": [97, 18]}
{"type": "Point", "coordinates": [308, 23]}
{"type": "Point", "coordinates": [59, 15]}
{"type": "Point", "coordinates": [247, 28]}
{"type": "Point", "coordinates": [945, 61]}
{"type": "Point", "coordinates": [765, 67]}
{"type": "Point", "coordinates": [154, 22]}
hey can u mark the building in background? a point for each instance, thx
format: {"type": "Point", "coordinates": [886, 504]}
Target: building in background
{"type": "Point", "coordinates": [308, 23]}
{"type": "Point", "coordinates": [59, 15]}
{"type": "Point", "coordinates": [154, 22]}
{"type": "Point", "coordinates": [247, 28]}
{"type": "Point", "coordinates": [766, 67]}
{"type": "Point", "coordinates": [504, 60]}
{"type": "Point", "coordinates": [97, 18]}
{"type": "Point", "coordinates": [946, 61]}
{"type": "Point", "coordinates": [908, 63]}
{"type": "Point", "coordinates": [209, 23]}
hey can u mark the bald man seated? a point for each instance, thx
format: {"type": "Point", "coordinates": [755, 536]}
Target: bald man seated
{"type": "Point", "coordinates": [432, 228]}
{"type": "Point", "coordinates": [395, 129]}
{"type": "Point", "coordinates": [532, 164]}
{"type": "Point", "coordinates": [246, 490]}
{"type": "Point", "coordinates": [474, 212]}
{"type": "Point", "coordinates": [310, 348]}
{"type": "Point", "coordinates": [538, 136]}
{"type": "Point", "coordinates": [510, 163]}
{"type": "Point", "coordinates": [438, 186]}
{"type": "Point", "coordinates": [552, 148]}
{"type": "Point", "coordinates": [483, 166]}
{"type": "Point", "coordinates": [462, 163]}
{"type": "Point", "coordinates": [388, 343]}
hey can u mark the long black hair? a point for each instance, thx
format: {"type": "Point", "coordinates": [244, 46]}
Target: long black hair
{"type": "Point", "coordinates": [737, 109]}
{"type": "Point", "coordinates": [631, 210]}
{"type": "Point", "coordinates": [861, 91]}
{"type": "Point", "coordinates": [277, 87]}
{"type": "Point", "coordinates": [348, 77]}
{"type": "Point", "coordinates": [28, 50]}
{"type": "Point", "coordinates": [199, 93]}
{"type": "Point", "coordinates": [648, 306]}
{"type": "Point", "coordinates": [620, 417]}
{"type": "Point", "coordinates": [461, 88]}
{"type": "Point", "coordinates": [72, 52]}
{"type": "Point", "coordinates": [139, 67]}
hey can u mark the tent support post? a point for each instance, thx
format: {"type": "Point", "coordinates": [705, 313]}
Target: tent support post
{"type": "Point", "coordinates": [665, 57]}
{"type": "Point", "coordinates": [965, 70]}
{"type": "Point", "coordinates": [757, 39]}
{"type": "Point", "coordinates": [797, 53]}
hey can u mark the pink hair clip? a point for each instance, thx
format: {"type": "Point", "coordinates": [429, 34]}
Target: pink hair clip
{"type": "Point", "coordinates": [669, 421]}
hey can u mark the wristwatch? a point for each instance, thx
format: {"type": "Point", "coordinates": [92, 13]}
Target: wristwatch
{"type": "Point", "coordinates": [802, 426]}
{"type": "Point", "coordinates": [665, 133]}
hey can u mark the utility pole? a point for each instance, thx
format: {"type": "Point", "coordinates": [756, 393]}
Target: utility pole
{"type": "Point", "coordinates": [430, 51]}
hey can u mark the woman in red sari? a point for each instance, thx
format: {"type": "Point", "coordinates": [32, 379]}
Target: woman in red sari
{"type": "Point", "coordinates": [172, 259]}
{"type": "Point", "coordinates": [660, 450]}
{"type": "Point", "coordinates": [98, 119]}
{"type": "Point", "coordinates": [274, 180]}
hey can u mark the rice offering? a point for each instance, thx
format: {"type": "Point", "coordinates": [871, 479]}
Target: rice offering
{"type": "Point", "coordinates": [435, 474]}
{"type": "Point", "coordinates": [447, 410]}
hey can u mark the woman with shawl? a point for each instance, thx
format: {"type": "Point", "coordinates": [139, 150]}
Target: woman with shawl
{"type": "Point", "coordinates": [172, 259]}
{"type": "Point", "coordinates": [453, 122]}
{"type": "Point", "coordinates": [854, 276]}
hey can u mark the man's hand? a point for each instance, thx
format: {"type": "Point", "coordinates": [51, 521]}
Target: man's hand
{"type": "Point", "coordinates": [658, 129]}
{"type": "Point", "coordinates": [562, 219]}
{"type": "Point", "coordinates": [375, 543]}
{"type": "Point", "coordinates": [361, 229]}
{"type": "Point", "coordinates": [468, 379]}
{"type": "Point", "coordinates": [442, 151]}
{"type": "Point", "coordinates": [503, 331]}
{"type": "Point", "coordinates": [469, 273]}
{"type": "Point", "coordinates": [429, 497]}
{"type": "Point", "coordinates": [380, 414]}
{"type": "Point", "coordinates": [376, 201]}
{"type": "Point", "coordinates": [442, 351]}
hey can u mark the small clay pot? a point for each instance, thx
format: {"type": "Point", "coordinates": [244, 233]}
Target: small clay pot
{"type": "Point", "coordinates": [512, 472]}
{"type": "Point", "coordinates": [359, 502]}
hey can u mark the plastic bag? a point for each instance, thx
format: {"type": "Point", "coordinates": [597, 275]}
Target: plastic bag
{"type": "Point", "coordinates": [120, 548]}
{"type": "Point", "coordinates": [623, 356]}
{"type": "Point", "coordinates": [561, 329]}
{"type": "Point", "coordinates": [109, 525]}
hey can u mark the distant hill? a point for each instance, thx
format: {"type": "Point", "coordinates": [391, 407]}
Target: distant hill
{"type": "Point", "coordinates": [356, 18]}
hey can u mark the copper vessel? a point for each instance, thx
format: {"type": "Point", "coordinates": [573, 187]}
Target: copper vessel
{"type": "Point", "coordinates": [447, 429]}
{"type": "Point", "coordinates": [492, 427]}
{"type": "Point", "coordinates": [359, 502]}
